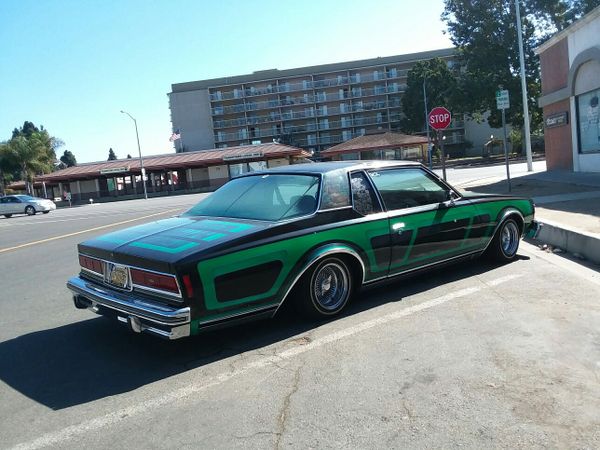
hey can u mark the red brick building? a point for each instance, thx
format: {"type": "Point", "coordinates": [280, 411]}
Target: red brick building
{"type": "Point", "coordinates": [570, 69]}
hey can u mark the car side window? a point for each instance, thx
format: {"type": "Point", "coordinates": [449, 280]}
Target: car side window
{"type": "Point", "coordinates": [335, 190]}
{"type": "Point", "coordinates": [364, 199]}
{"type": "Point", "coordinates": [407, 188]}
{"type": "Point", "coordinates": [4, 200]}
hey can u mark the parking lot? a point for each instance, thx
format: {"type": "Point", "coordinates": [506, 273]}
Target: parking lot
{"type": "Point", "coordinates": [476, 355]}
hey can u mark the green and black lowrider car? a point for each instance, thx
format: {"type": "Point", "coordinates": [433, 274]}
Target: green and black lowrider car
{"type": "Point", "coordinates": [311, 234]}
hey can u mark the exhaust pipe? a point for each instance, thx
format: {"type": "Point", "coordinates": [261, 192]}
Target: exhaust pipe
{"type": "Point", "coordinates": [81, 302]}
{"type": "Point", "coordinates": [135, 324]}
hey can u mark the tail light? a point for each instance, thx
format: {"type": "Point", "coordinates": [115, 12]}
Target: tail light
{"type": "Point", "coordinates": [91, 264]}
{"type": "Point", "coordinates": [156, 281]}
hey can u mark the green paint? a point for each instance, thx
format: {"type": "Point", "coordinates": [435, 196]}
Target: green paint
{"type": "Point", "coordinates": [213, 237]}
{"type": "Point", "coordinates": [162, 248]}
{"type": "Point", "coordinates": [176, 235]}
{"type": "Point", "coordinates": [291, 250]}
{"type": "Point", "coordinates": [222, 225]}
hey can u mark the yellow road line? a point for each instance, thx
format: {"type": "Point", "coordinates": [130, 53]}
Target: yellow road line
{"type": "Point", "coordinates": [29, 244]}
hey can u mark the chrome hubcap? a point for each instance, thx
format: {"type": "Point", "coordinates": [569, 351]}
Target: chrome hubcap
{"type": "Point", "coordinates": [509, 238]}
{"type": "Point", "coordinates": [330, 286]}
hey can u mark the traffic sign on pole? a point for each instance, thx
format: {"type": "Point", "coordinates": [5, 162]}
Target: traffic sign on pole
{"type": "Point", "coordinates": [502, 99]}
{"type": "Point", "coordinates": [439, 118]}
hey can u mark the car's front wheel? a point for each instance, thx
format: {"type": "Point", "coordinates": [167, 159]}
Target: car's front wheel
{"type": "Point", "coordinates": [30, 210]}
{"type": "Point", "coordinates": [505, 242]}
{"type": "Point", "coordinates": [326, 288]}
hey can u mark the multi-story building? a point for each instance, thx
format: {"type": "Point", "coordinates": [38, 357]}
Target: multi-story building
{"type": "Point", "coordinates": [310, 107]}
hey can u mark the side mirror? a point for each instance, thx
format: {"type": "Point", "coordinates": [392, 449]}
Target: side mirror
{"type": "Point", "coordinates": [449, 199]}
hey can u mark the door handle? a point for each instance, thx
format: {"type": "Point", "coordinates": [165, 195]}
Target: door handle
{"type": "Point", "coordinates": [398, 227]}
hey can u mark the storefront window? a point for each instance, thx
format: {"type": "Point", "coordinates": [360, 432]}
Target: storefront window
{"type": "Point", "coordinates": [237, 169]}
{"type": "Point", "coordinates": [588, 111]}
{"type": "Point", "coordinates": [255, 166]}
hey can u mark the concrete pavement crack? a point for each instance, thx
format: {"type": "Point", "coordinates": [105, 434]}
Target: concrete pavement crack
{"type": "Point", "coordinates": [284, 412]}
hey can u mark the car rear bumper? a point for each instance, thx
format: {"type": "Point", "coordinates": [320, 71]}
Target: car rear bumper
{"type": "Point", "coordinates": [141, 315]}
{"type": "Point", "coordinates": [533, 229]}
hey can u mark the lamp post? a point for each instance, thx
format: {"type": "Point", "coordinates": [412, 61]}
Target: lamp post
{"type": "Point", "coordinates": [140, 152]}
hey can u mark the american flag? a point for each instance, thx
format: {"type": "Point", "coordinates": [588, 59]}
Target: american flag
{"type": "Point", "coordinates": [176, 135]}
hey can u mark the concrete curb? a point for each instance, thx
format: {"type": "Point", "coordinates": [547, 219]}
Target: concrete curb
{"type": "Point", "coordinates": [570, 240]}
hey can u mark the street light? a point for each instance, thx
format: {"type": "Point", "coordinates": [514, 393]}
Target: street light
{"type": "Point", "coordinates": [140, 152]}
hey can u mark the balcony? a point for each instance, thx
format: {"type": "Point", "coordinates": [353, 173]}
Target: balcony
{"type": "Point", "coordinates": [306, 85]}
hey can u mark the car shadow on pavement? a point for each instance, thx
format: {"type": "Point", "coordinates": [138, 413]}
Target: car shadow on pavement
{"type": "Point", "coordinates": [96, 358]}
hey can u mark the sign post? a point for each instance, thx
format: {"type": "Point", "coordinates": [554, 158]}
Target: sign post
{"type": "Point", "coordinates": [503, 103]}
{"type": "Point", "coordinates": [439, 119]}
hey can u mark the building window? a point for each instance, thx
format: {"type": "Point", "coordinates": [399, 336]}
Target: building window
{"type": "Point", "coordinates": [237, 169]}
{"type": "Point", "coordinates": [255, 166]}
{"type": "Point", "coordinates": [588, 123]}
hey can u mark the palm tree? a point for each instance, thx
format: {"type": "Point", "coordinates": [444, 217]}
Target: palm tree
{"type": "Point", "coordinates": [31, 155]}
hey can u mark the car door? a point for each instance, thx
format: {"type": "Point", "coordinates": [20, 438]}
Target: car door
{"type": "Point", "coordinates": [366, 203]}
{"type": "Point", "coordinates": [4, 205]}
{"type": "Point", "coordinates": [9, 205]}
{"type": "Point", "coordinates": [15, 205]}
{"type": "Point", "coordinates": [428, 222]}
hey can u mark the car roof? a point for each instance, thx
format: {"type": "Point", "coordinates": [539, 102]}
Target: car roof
{"type": "Point", "coordinates": [324, 167]}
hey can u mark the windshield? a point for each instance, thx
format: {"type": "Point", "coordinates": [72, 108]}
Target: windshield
{"type": "Point", "coordinates": [262, 197]}
{"type": "Point", "coordinates": [25, 198]}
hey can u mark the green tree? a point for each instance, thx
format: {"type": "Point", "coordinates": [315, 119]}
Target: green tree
{"type": "Point", "coordinates": [485, 34]}
{"type": "Point", "coordinates": [7, 167]}
{"type": "Point", "coordinates": [68, 159]}
{"type": "Point", "coordinates": [26, 130]}
{"type": "Point", "coordinates": [31, 155]}
{"type": "Point", "coordinates": [111, 155]}
{"type": "Point", "coordinates": [440, 85]}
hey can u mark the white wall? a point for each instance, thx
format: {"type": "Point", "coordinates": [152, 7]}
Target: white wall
{"type": "Point", "coordinates": [585, 37]}
{"type": "Point", "coordinates": [588, 78]}
{"type": "Point", "coordinates": [278, 162]}
{"type": "Point", "coordinates": [200, 174]}
{"type": "Point", "coordinates": [190, 112]}
{"type": "Point", "coordinates": [218, 172]}
{"type": "Point", "coordinates": [479, 134]}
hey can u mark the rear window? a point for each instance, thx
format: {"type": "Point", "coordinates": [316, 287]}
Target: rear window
{"type": "Point", "coordinates": [262, 197]}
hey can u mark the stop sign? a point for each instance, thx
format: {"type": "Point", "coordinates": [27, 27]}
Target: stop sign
{"type": "Point", "coordinates": [439, 118]}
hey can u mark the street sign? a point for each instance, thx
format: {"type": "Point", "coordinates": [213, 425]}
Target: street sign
{"type": "Point", "coordinates": [114, 170]}
{"type": "Point", "coordinates": [502, 100]}
{"type": "Point", "coordinates": [439, 118]}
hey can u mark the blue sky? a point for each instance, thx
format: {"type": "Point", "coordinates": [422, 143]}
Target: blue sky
{"type": "Point", "coordinates": [73, 65]}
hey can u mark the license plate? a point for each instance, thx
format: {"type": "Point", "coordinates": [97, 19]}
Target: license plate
{"type": "Point", "coordinates": [117, 275]}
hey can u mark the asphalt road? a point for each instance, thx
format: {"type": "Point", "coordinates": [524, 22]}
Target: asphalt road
{"type": "Point", "coordinates": [473, 356]}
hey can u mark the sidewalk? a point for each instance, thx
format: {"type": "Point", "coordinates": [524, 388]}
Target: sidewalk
{"type": "Point", "coordinates": [567, 204]}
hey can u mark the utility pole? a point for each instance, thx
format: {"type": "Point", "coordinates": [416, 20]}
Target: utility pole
{"type": "Point", "coordinates": [427, 123]}
{"type": "Point", "coordinates": [524, 91]}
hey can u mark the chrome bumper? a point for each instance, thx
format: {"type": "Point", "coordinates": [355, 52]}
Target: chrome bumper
{"type": "Point", "coordinates": [141, 315]}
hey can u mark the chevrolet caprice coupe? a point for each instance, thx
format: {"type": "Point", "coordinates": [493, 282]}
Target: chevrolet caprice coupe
{"type": "Point", "coordinates": [311, 234]}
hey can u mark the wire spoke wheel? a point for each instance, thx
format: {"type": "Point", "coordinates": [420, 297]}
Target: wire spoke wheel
{"type": "Point", "coordinates": [330, 286]}
{"type": "Point", "coordinates": [505, 243]}
{"type": "Point", "coordinates": [509, 238]}
{"type": "Point", "coordinates": [326, 288]}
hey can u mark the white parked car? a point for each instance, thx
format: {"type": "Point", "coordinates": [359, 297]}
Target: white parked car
{"type": "Point", "coordinates": [24, 204]}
